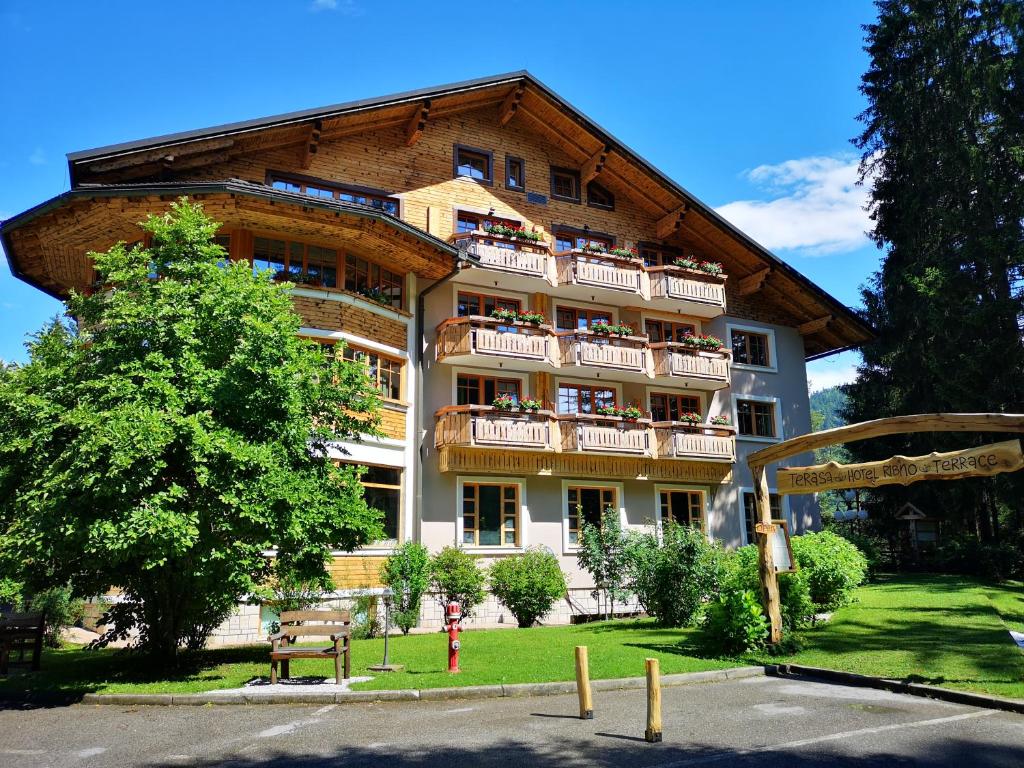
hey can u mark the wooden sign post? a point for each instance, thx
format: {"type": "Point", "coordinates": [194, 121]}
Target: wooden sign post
{"type": "Point", "coordinates": [902, 470]}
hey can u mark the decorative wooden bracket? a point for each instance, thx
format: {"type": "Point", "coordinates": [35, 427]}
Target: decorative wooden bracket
{"type": "Point", "coordinates": [312, 142]}
{"type": "Point", "coordinates": [753, 283]}
{"type": "Point", "coordinates": [593, 167]}
{"type": "Point", "coordinates": [813, 326]}
{"type": "Point", "coordinates": [670, 222]}
{"type": "Point", "coordinates": [510, 106]}
{"type": "Point", "coordinates": [417, 123]}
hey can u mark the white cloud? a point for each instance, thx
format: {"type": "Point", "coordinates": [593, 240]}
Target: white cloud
{"type": "Point", "coordinates": [830, 372]}
{"type": "Point", "coordinates": [346, 7]}
{"type": "Point", "coordinates": [816, 206]}
{"type": "Point", "coordinates": [324, 5]}
{"type": "Point", "coordinates": [38, 156]}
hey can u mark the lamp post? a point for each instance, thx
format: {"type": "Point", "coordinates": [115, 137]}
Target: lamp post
{"type": "Point", "coordinates": [385, 666]}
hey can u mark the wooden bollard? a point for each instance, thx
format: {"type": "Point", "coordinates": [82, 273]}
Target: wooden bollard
{"type": "Point", "coordinates": [583, 684]}
{"type": "Point", "coordinates": [653, 732]}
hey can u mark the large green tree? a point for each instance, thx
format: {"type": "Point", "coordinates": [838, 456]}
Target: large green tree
{"type": "Point", "coordinates": [943, 148]}
{"type": "Point", "coordinates": [173, 434]}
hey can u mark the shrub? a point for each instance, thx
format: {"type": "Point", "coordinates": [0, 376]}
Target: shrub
{"type": "Point", "coordinates": [872, 546]}
{"type": "Point", "coordinates": [736, 622]}
{"type": "Point", "coordinates": [794, 592]}
{"type": "Point", "coordinates": [687, 571]}
{"type": "Point", "coordinates": [288, 591]}
{"type": "Point", "coordinates": [11, 595]}
{"type": "Point", "coordinates": [641, 551]}
{"type": "Point", "coordinates": [833, 566]}
{"type": "Point", "coordinates": [602, 554]}
{"type": "Point", "coordinates": [528, 584]}
{"type": "Point", "coordinates": [366, 622]}
{"type": "Point", "coordinates": [60, 610]}
{"type": "Point", "coordinates": [454, 576]}
{"type": "Point", "coordinates": [407, 572]}
{"type": "Point", "coordinates": [968, 555]}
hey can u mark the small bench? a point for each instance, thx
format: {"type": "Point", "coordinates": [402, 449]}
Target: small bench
{"type": "Point", "coordinates": [295, 624]}
{"type": "Point", "coordinates": [21, 632]}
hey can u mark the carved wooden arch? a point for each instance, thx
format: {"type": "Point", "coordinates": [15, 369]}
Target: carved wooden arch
{"type": "Point", "coordinates": [894, 425]}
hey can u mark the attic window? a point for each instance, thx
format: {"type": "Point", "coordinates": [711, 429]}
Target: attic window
{"type": "Point", "coordinates": [476, 164]}
{"type": "Point", "coordinates": [599, 197]}
{"type": "Point", "coordinates": [374, 198]}
{"type": "Point", "coordinates": [565, 184]}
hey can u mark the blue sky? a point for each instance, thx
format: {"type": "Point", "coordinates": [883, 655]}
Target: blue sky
{"type": "Point", "coordinates": [749, 105]}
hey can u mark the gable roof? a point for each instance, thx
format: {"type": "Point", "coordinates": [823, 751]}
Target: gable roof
{"type": "Point", "coordinates": [828, 325]}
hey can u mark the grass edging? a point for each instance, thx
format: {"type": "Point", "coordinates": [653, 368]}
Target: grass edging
{"type": "Point", "coordinates": [515, 690]}
{"type": "Point", "coordinates": [985, 701]}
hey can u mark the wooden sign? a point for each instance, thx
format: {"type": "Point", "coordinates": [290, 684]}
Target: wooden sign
{"type": "Point", "coordinates": [986, 460]}
{"type": "Point", "coordinates": [768, 528]}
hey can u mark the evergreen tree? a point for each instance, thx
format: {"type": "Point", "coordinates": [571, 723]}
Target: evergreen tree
{"type": "Point", "coordinates": [943, 149]}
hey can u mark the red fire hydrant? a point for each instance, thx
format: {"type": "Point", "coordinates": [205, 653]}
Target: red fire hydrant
{"type": "Point", "coordinates": [452, 615]}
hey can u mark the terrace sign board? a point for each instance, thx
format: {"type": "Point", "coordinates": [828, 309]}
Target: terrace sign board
{"type": "Point", "coordinates": [985, 460]}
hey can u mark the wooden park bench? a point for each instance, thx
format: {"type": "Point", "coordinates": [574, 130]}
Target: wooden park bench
{"type": "Point", "coordinates": [21, 632]}
{"type": "Point", "coordinates": [296, 624]}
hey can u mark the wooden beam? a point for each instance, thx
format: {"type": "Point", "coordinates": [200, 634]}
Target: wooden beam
{"type": "Point", "coordinates": [813, 326]}
{"type": "Point", "coordinates": [417, 123]}
{"type": "Point", "coordinates": [155, 156]}
{"type": "Point", "coordinates": [593, 167]}
{"type": "Point", "coordinates": [765, 557]}
{"type": "Point", "coordinates": [312, 142]}
{"type": "Point", "coordinates": [559, 139]}
{"type": "Point", "coordinates": [752, 283]}
{"type": "Point", "coordinates": [510, 105]}
{"type": "Point", "coordinates": [670, 222]}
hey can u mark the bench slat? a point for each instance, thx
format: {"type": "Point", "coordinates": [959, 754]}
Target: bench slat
{"type": "Point", "coordinates": [303, 653]}
{"type": "Point", "coordinates": [335, 616]}
{"type": "Point", "coordinates": [315, 629]}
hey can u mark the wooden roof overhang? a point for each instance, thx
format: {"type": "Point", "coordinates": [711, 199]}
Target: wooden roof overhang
{"type": "Point", "coordinates": [826, 324]}
{"type": "Point", "coordinates": [47, 245]}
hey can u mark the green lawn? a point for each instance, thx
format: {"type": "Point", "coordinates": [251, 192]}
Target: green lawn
{"type": "Point", "coordinates": [939, 630]}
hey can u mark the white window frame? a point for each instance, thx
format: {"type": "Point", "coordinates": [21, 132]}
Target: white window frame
{"type": "Point", "coordinates": [773, 358]}
{"type": "Point", "coordinates": [703, 489]}
{"type": "Point", "coordinates": [620, 493]}
{"type": "Point", "coordinates": [783, 503]}
{"type": "Point", "coordinates": [614, 385]}
{"type": "Point", "coordinates": [524, 513]}
{"type": "Point", "coordinates": [776, 401]}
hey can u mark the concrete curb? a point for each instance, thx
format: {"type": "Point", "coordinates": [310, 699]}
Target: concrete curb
{"type": "Point", "coordinates": [985, 701]}
{"type": "Point", "coordinates": [517, 690]}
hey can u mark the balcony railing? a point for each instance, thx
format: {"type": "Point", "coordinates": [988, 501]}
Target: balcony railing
{"type": "Point", "coordinates": [687, 285]}
{"type": "Point", "coordinates": [486, 426]}
{"type": "Point", "coordinates": [477, 335]}
{"type": "Point", "coordinates": [683, 361]}
{"type": "Point", "coordinates": [599, 270]}
{"type": "Point", "coordinates": [505, 254]}
{"type": "Point", "coordinates": [605, 434]}
{"type": "Point", "coordinates": [595, 350]}
{"type": "Point", "coordinates": [679, 440]}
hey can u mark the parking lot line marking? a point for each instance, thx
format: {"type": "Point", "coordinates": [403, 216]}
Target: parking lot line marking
{"type": "Point", "coordinates": [821, 739]}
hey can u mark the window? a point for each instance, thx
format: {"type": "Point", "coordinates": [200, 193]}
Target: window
{"type": "Point", "coordinates": [362, 276]}
{"type": "Point", "coordinates": [490, 515]}
{"type": "Point", "coordinates": [323, 189]}
{"type": "Point", "coordinates": [599, 197]}
{"type": "Point", "coordinates": [467, 221]}
{"type": "Point", "coordinates": [473, 163]}
{"type": "Point", "coordinates": [471, 389]}
{"type": "Point", "coordinates": [585, 505]}
{"type": "Point", "coordinates": [755, 418]}
{"type": "Point", "coordinates": [750, 513]}
{"type": "Point", "coordinates": [576, 319]}
{"type": "Point", "coordinates": [382, 489]}
{"type": "Point", "coordinates": [749, 348]}
{"type": "Point", "coordinates": [269, 254]}
{"type": "Point", "coordinates": [515, 173]}
{"type": "Point", "coordinates": [483, 304]}
{"type": "Point", "coordinates": [668, 406]}
{"type": "Point", "coordinates": [384, 372]}
{"type": "Point", "coordinates": [565, 184]}
{"type": "Point", "coordinates": [656, 255]}
{"type": "Point", "coordinates": [584, 398]}
{"type": "Point", "coordinates": [682, 507]}
{"type": "Point", "coordinates": [666, 330]}
{"type": "Point", "coordinates": [567, 240]}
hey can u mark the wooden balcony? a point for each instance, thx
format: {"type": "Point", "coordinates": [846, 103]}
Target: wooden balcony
{"type": "Point", "coordinates": [486, 427]}
{"type": "Point", "coordinates": [693, 368]}
{"type": "Point", "coordinates": [596, 276]}
{"type": "Point", "coordinates": [594, 353]}
{"type": "Point", "coordinates": [485, 341]}
{"type": "Point", "coordinates": [700, 442]}
{"type": "Point", "coordinates": [605, 434]}
{"type": "Point", "coordinates": [523, 263]}
{"type": "Point", "coordinates": [686, 290]}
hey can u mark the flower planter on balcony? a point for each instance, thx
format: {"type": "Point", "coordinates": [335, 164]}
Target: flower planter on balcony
{"type": "Point", "coordinates": [605, 434]}
{"type": "Point", "coordinates": [596, 352]}
{"type": "Point", "coordinates": [688, 290]}
{"type": "Point", "coordinates": [701, 442]}
{"type": "Point", "coordinates": [488, 427]}
{"type": "Point", "coordinates": [476, 339]}
{"type": "Point", "coordinates": [697, 369]}
{"type": "Point", "coordinates": [505, 254]}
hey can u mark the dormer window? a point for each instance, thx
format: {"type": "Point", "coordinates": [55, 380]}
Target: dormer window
{"type": "Point", "coordinates": [476, 164]}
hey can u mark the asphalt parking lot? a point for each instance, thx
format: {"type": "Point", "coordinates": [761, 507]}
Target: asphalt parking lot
{"type": "Point", "coordinates": [756, 721]}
